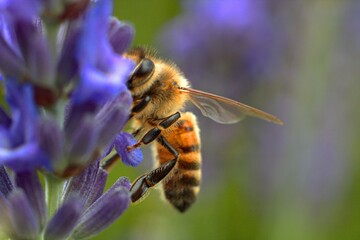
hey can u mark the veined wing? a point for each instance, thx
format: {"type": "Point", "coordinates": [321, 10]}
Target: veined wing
{"type": "Point", "coordinates": [224, 110]}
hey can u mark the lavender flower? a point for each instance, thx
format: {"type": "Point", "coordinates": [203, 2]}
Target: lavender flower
{"type": "Point", "coordinates": [90, 94]}
{"type": "Point", "coordinates": [85, 211]}
{"type": "Point", "coordinates": [66, 100]}
{"type": "Point", "coordinates": [20, 143]}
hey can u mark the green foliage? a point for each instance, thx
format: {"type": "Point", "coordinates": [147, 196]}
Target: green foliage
{"type": "Point", "coordinates": [146, 16]}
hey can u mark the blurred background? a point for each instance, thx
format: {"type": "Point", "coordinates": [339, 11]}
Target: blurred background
{"type": "Point", "coordinates": [298, 60]}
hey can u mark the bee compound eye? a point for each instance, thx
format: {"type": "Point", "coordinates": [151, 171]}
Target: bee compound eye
{"type": "Point", "coordinates": [142, 73]}
{"type": "Point", "coordinates": [145, 68]}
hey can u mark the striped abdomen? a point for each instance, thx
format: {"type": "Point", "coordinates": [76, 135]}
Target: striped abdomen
{"type": "Point", "coordinates": [182, 184]}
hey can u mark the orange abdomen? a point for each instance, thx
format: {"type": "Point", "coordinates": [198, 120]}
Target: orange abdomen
{"type": "Point", "coordinates": [182, 184]}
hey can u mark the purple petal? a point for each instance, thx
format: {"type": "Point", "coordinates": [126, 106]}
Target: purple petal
{"type": "Point", "coordinates": [24, 9]}
{"type": "Point", "coordinates": [75, 115]}
{"type": "Point", "coordinates": [93, 43]}
{"type": "Point", "coordinates": [91, 127]}
{"type": "Point", "coordinates": [81, 145]}
{"type": "Point", "coordinates": [24, 158]}
{"type": "Point", "coordinates": [81, 185]}
{"type": "Point", "coordinates": [133, 157]}
{"type": "Point", "coordinates": [24, 219]}
{"type": "Point", "coordinates": [99, 86]}
{"type": "Point", "coordinates": [5, 120]}
{"type": "Point", "coordinates": [12, 13]}
{"type": "Point", "coordinates": [20, 150]}
{"type": "Point", "coordinates": [64, 221]}
{"type": "Point", "coordinates": [67, 64]}
{"type": "Point", "coordinates": [112, 117]}
{"type": "Point", "coordinates": [11, 63]}
{"type": "Point", "coordinates": [52, 142]}
{"type": "Point", "coordinates": [6, 186]}
{"type": "Point", "coordinates": [35, 51]}
{"type": "Point", "coordinates": [80, 132]}
{"type": "Point", "coordinates": [102, 73]}
{"type": "Point", "coordinates": [23, 110]}
{"type": "Point", "coordinates": [104, 211]}
{"type": "Point", "coordinates": [98, 187]}
{"type": "Point", "coordinates": [120, 35]}
{"type": "Point", "coordinates": [30, 184]}
{"type": "Point", "coordinates": [122, 182]}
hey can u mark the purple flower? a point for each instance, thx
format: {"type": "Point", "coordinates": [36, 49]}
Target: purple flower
{"type": "Point", "coordinates": [20, 146]}
{"type": "Point", "coordinates": [120, 35]}
{"type": "Point", "coordinates": [25, 51]}
{"type": "Point", "coordinates": [88, 129]}
{"type": "Point", "coordinates": [22, 205]}
{"type": "Point", "coordinates": [133, 157]}
{"type": "Point", "coordinates": [85, 210]}
{"type": "Point", "coordinates": [97, 61]}
{"type": "Point", "coordinates": [65, 107]}
{"type": "Point", "coordinates": [88, 71]}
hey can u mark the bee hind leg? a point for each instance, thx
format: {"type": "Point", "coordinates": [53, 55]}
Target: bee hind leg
{"type": "Point", "coordinates": [143, 183]}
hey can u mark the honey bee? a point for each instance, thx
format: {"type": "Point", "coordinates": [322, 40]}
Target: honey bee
{"type": "Point", "coordinates": [160, 92]}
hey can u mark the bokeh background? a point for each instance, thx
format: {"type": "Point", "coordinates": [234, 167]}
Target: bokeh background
{"type": "Point", "coordinates": [299, 60]}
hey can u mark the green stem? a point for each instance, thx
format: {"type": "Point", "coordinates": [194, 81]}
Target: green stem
{"type": "Point", "coordinates": [53, 192]}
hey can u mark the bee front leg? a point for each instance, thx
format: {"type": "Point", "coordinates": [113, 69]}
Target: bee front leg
{"type": "Point", "coordinates": [140, 106]}
{"type": "Point", "coordinates": [148, 137]}
{"type": "Point", "coordinates": [143, 183]}
{"type": "Point", "coordinates": [155, 132]}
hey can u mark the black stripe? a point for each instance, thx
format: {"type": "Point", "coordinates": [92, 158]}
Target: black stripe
{"type": "Point", "coordinates": [190, 149]}
{"type": "Point", "coordinates": [186, 128]}
{"type": "Point", "coordinates": [187, 194]}
{"type": "Point", "coordinates": [189, 181]}
{"type": "Point", "coordinates": [180, 122]}
{"type": "Point", "coordinates": [194, 165]}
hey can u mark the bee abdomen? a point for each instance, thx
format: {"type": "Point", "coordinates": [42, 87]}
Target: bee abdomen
{"type": "Point", "coordinates": [182, 185]}
{"type": "Point", "coordinates": [182, 189]}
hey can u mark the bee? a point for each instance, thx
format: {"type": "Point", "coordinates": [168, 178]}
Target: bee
{"type": "Point", "coordinates": [160, 92]}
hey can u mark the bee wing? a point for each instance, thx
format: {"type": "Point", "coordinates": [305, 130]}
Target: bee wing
{"type": "Point", "coordinates": [224, 110]}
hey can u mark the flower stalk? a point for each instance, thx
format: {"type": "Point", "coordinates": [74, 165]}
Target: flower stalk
{"type": "Point", "coordinates": [53, 192]}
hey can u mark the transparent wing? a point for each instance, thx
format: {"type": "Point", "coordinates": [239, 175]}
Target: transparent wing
{"type": "Point", "coordinates": [224, 110]}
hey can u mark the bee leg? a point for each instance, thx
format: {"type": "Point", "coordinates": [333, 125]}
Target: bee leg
{"type": "Point", "coordinates": [140, 106]}
{"type": "Point", "coordinates": [156, 131]}
{"type": "Point", "coordinates": [170, 120]}
{"type": "Point", "coordinates": [149, 136]}
{"type": "Point", "coordinates": [143, 183]}
{"type": "Point", "coordinates": [109, 163]}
